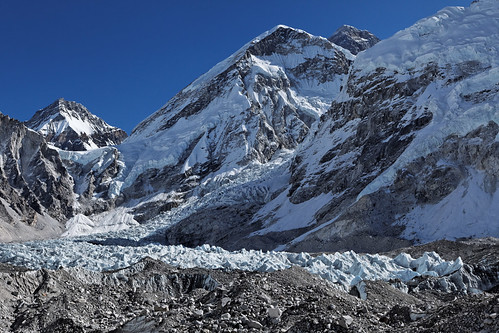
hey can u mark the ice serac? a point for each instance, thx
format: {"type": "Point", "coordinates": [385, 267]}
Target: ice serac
{"type": "Point", "coordinates": [36, 194]}
{"type": "Point", "coordinates": [412, 139]}
{"type": "Point", "coordinates": [243, 117]}
{"type": "Point", "coordinates": [353, 39]}
{"type": "Point", "coordinates": [70, 126]}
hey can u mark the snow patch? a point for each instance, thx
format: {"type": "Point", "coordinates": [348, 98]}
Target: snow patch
{"type": "Point", "coordinates": [115, 220]}
{"type": "Point", "coordinates": [468, 211]}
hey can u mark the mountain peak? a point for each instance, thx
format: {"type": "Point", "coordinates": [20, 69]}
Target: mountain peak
{"type": "Point", "coordinates": [70, 126]}
{"type": "Point", "coordinates": [353, 39]}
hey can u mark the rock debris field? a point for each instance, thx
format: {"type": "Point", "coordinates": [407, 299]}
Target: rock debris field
{"type": "Point", "coordinates": [151, 296]}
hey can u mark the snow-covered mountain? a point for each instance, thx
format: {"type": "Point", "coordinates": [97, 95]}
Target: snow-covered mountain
{"type": "Point", "coordinates": [70, 126]}
{"type": "Point", "coordinates": [292, 143]}
{"type": "Point", "coordinates": [353, 39]}
{"type": "Point", "coordinates": [296, 143]}
{"type": "Point", "coordinates": [247, 111]}
{"type": "Point", "coordinates": [406, 153]}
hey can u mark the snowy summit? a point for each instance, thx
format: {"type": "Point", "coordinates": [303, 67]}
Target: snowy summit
{"type": "Point", "coordinates": [70, 126]}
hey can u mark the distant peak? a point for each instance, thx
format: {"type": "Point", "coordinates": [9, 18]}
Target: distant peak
{"type": "Point", "coordinates": [277, 29]}
{"type": "Point", "coordinates": [59, 101]}
{"type": "Point", "coordinates": [353, 39]}
{"type": "Point", "coordinates": [71, 126]}
{"type": "Point", "coordinates": [62, 106]}
{"type": "Point", "coordinates": [345, 27]}
{"type": "Point", "coordinates": [282, 26]}
{"type": "Point", "coordinates": [280, 37]}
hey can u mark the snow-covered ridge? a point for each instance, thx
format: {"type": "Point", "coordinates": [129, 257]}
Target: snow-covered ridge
{"type": "Point", "coordinates": [223, 65]}
{"type": "Point", "coordinates": [451, 36]}
{"type": "Point", "coordinates": [172, 106]}
{"type": "Point", "coordinates": [57, 117]}
{"type": "Point", "coordinates": [345, 269]}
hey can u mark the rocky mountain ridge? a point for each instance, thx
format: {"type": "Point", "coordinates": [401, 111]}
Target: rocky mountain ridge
{"type": "Point", "coordinates": [420, 164]}
{"type": "Point", "coordinates": [36, 191]}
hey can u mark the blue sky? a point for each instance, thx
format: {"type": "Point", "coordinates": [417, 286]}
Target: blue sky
{"type": "Point", "coordinates": [124, 59]}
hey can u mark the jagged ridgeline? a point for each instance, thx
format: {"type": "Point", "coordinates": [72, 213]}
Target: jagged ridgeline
{"type": "Point", "coordinates": [295, 142]}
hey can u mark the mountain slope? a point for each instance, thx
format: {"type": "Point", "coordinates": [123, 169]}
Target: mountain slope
{"type": "Point", "coordinates": [223, 144]}
{"type": "Point", "coordinates": [246, 111]}
{"type": "Point", "coordinates": [35, 189]}
{"type": "Point", "coordinates": [70, 126]}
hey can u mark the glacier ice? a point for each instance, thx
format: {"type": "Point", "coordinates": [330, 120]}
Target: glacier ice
{"type": "Point", "coordinates": [344, 269]}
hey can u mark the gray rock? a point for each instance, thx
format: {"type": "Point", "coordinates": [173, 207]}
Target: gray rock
{"type": "Point", "coordinates": [274, 312]}
{"type": "Point", "coordinates": [35, 188]}
{"type": "Point", "coordinates": [225, 301]}
{"type": "Point", "coordinates": [345, 321]}
{"type": "Point", "coordinates": [353, 39]}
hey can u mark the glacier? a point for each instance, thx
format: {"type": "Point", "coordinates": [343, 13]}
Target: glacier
{"type": "Point", "coordinates": [343, 269]}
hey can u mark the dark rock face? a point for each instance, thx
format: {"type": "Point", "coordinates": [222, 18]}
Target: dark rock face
{"type": "Point", "coordinates": [477, 149]}
{"type": "Point", "coordinates": [379, 136]}
{"type": "Point", "coordinates": [370, 224]}
{"type": "Point", "coordinates": [353, 39]}
{"type": "Point", "coordinates": [34, 181]}
{"type": "Point", "coordinates": [222, 225]}
{"type": "Point", "coordinates": [92, 184]}
{"type": "Point", "coordinates": [70, 126]}
{"type": "Point", "coordinates": [366, 135]}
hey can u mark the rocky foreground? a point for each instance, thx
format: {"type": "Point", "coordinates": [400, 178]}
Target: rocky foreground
{"type": "Point", "coordinates": [151, 296]}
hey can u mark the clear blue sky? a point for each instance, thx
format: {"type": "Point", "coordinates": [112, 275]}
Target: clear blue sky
{"type": "Point", "coordinates": [124, 59]}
